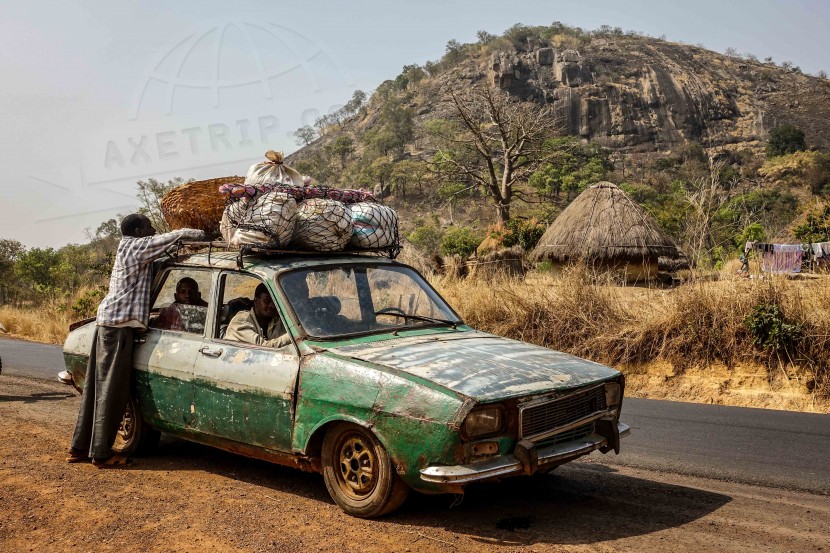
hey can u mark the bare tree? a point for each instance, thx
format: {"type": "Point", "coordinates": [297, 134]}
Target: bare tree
{"type": "Point", "coordinates": [492, 141]}
{"type": "Point", "coordinates": [705, 196]}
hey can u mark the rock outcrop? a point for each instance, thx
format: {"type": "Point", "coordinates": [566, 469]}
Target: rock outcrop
{"type": "Point", "coordinates": [641, 94]}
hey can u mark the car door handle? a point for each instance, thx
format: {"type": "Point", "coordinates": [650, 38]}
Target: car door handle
{"type": "Point", "coordinates": [204, 350]}
{"type": "Point", "coordinates": [140, 341]}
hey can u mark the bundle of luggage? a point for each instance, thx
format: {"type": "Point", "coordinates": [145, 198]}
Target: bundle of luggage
{"type": "Point", "coordinates": [276, 207]}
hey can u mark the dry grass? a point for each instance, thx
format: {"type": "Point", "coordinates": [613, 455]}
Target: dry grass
{"type": "Point", "coordinates": [696, 325]}
{"type": "Point", "coordinates": [41, 324]}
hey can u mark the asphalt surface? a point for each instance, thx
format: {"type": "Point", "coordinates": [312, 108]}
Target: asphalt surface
{"type": "Point", "coordinates": [31, 359]}
{"type": "Point", "coordinates": [754, 446]}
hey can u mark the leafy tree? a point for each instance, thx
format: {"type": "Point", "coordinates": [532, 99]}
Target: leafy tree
{"type": "Point", "coordinates": [524, 233]}
{"type": "Point", "coordinates": [426, 238]}
{"type": "Point", "coordinates": [411, 74]}
{"type": "Point", "coordinates": [341, 147]}
{"type": "Point", "coordinates": [305, 135]}
{"type": "Point", "coordinates": [10, 252]}
{"type": "Point", "coordinates": [492, 141]}
{"type": "Point", "coordinates": [460, 241]}
{"type": "Point", "coordinates": [150, 193]}
{"type": "Point", "coordinates": [380, 172]}
{"type": "Point", "coordinates": [816, 226]}
{"type": "Point", "coordinates": [518, 35]}
{"type": "Point", "coordinates": [394, 129]}
{"type": "Point", "coordinates": [36, 268]}
{"type": "Point", "coordinates": [753, 232]}
{"type": "Point", "coordinates": [572, 166]}
{"type": "Point", "coordinates": [484, 37]}
{"type": "Point", "coordinates": [356, 103]}
{"type": "Point", "coordinates": [454, 53]}
{"type": "Point", "coordinates": [786, 139]}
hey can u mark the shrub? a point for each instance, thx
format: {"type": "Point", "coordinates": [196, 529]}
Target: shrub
{"type": "Point", "coordinates": [770, 331]}
{"type": "Point", "coordinates": [816, 227]}
{"type": "Point", "coordinates": [460, 241]}
{"type": "Point", "coordinates": [786, 139]}
{"type": "Point", "coordinates": [754, 232]}
{"type": "Point", "coordinates": [545, 266]}
{"type": "Point", "coordinates": [799, 169]}
{"type": "Point", "coordinates": [87, 302]}
{"type": "Point", "coordinates": [426, 237]}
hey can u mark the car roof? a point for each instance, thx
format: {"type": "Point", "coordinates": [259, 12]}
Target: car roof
{"type": "Point", "coordinates": [274, 264]}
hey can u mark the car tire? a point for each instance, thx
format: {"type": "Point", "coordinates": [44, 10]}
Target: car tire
{"type": "Point", "coordinates": [359, 474]}
{"type": "Point", "coordinates": [134, 435]}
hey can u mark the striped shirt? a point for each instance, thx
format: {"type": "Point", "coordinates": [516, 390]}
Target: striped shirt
{"type": "Point", "coordinates": [128, 301]}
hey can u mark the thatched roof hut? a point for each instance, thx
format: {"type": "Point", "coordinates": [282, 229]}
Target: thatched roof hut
{"type": "Point", "coordinates": [604, 227]}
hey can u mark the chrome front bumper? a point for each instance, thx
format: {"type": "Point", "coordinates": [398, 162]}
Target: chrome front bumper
{"type": "Point", "coordinates": [510, 465]}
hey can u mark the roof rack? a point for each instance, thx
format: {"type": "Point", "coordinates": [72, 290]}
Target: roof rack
{"type": "Point", "coordinates": [190, 246]}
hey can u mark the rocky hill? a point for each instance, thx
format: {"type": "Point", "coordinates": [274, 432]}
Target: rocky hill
{"type": "Point", "coordinates": [649, 114]}
{"type": "Point", "coordinates": [629, 93]}
{"type": "Point", "coordinates": [638, 94]}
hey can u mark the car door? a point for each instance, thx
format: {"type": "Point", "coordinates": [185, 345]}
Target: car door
{"type": "Point", "coordinates": [163, 358]}
{"type": "Point", "coordinates": [244, 392]}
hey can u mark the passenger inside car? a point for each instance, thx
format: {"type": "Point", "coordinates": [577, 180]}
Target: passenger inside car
{"type": "Point", "coordinates": [260, 325]}
{"type": "Point", "coordinates": [188, 310]}
{"type": "Point", "coordinates": [318, 314]}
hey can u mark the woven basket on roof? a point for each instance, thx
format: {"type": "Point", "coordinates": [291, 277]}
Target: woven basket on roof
{"type": "Point", "coordinates": [196, 204]}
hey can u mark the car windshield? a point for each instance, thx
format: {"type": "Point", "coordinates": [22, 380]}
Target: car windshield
{"type": "Point", "coordinates": [362, 299]}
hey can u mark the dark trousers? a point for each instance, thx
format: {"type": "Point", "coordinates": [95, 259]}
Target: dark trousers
{"type": "Point", "coordinates": [106, 391]}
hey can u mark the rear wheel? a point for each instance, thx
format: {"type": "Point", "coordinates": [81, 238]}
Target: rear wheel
{"type": "Point", "coordinates": [134, 435]}
{"type": "Point", "coordinates": [359, 474]}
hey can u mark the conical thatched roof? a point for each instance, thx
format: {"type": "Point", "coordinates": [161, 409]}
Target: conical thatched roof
{"type": "Point", "coordinates": [603, 224]}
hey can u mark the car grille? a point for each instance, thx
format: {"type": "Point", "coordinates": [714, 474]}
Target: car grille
{"type": "Point", "coordinates": [540, 419]}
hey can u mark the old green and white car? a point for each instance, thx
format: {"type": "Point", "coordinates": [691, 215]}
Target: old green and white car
{"type": "Point", "coordinates": [383, 388]}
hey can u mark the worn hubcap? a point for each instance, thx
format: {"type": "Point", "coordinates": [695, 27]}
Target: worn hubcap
{"type": "Point", "coordinates": [358, 466]}
{"type": "Point", "coordinates": [125, 431]}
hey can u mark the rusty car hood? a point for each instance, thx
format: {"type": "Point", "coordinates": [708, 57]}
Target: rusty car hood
{"type": "Point", "coordinates": [479, 365]}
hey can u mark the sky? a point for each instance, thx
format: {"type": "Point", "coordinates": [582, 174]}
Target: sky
{"type": "Point", "coordinates": [97, 95]}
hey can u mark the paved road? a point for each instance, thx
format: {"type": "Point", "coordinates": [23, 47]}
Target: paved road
{"type": "Point", "coordinates": [31, 358]}
{"type": "Point", "coordinates": [754, 446]}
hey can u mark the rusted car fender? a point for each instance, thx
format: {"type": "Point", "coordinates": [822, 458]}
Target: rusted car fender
{"type": "Point", "coordinates": [416, 421]}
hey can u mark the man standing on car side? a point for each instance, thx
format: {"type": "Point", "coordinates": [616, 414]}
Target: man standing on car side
{"type": "Point", "coordinates": [124, 310]}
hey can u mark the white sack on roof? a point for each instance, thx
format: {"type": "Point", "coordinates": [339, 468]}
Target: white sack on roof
{"type": "Point", "coordinates": [374, 225]}
{"type": "Point", "coordinates": [267, 220]}
{"type": "Point", "coordinates": [322, 225]}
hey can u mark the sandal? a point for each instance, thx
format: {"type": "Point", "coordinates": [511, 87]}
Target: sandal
{"type": "Point", "coordinates": [76, 456]}
{"type": "Point", "coordinates": [114, 461]}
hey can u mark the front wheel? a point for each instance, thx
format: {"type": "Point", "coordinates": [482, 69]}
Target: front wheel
{"type": "Point", "coordinates": [134, 435]}
{"type": "Point", "coordinates": [358, 472]}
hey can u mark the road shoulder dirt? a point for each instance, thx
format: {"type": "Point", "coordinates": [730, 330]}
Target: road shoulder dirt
{"type": "Point", "coordinates": [187, 497]}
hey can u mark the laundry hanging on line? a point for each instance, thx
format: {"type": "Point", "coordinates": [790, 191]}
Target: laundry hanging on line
{"type": "Point", "coordinates": [781, 258]}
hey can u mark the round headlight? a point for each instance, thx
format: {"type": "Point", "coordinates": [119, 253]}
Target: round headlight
{"type": "Point", "coordinates": [482, 422]}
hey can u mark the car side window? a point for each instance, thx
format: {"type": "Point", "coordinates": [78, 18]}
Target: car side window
{"type": "Point", "coordinates": [237, 294]}
{"type": "Point", "coordinates": [181, 304]}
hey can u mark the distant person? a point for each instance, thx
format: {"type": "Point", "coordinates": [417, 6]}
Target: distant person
{"type": "Point", "coordinates": [124, 310]}
{"type": "Point", "coordinates": [187, 293]}
{"type": "Point", "coordinates": [744, 270]}
{"type": "Point", "coordinates": [260, 325]}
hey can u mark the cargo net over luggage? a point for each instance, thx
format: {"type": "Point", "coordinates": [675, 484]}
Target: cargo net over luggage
{"type": "Point", "coordinates": [373, 226]}
{"type": "Point", "coordinates": [323, 225]}
{"type": "Point", "coordinates": [277, 208]}
{"type": "Point", "coordinates": [268, 220]}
